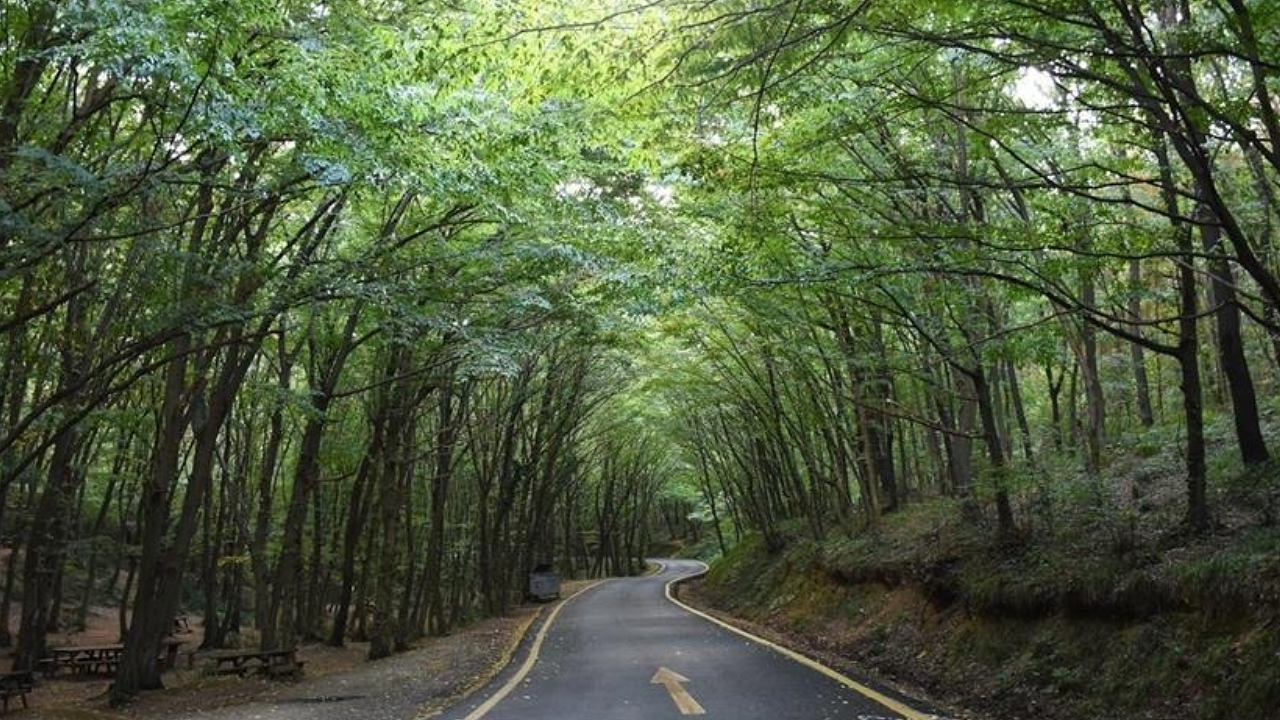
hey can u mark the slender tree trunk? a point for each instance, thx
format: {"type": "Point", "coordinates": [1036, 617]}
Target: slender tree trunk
{"type": "Point", "coordinates": [1141, 386]}
{"type": "Point", "coordinates": [1095, 408]}
{"type": "Point", "coordinates": [395, 474]}
{"type": "Point", "coordinates": [1198, 517]}
{"type": "Point", "coordinates": [126, 593]}
{"type": "Point", "coordinates": [356, 513]}
{"type": "Point", "coordinates": [280, 630]}
{"type": "Point", "coordinates": [1019, 410]}
{"type": "Point", "coordinates": [123, 445]}
{"type": "Point", "coordinates": [42, 560]}
{"type": "Point", "coordinates": [310, 605]}
{"type": "Point", "coordinates": [995, 452]}
{"type": "Point", "coordinates": [448, 418]}
{"type": "Point", "coordinates": [1073, 405]}
{"type": "Point", "coordinates": [46, 539]}
{"type": "Point", "coordinates": [6, 603]}
{"type": "Point", "coordinates": [961, 443]}
{"type": "Point", "coordinates": [1235, 366]}
{"type": "Point", "coordinates": [209, 569]}
{"type": "Point", "coordinates": [1189, 365]}
{"type": "Point", "coordinates": [266, 498]}
{"type": "Point", "coordinates": [382, 635]}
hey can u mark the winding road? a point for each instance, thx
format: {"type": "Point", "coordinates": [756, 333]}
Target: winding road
{"type": "Point", "coordinates": [624, 650]}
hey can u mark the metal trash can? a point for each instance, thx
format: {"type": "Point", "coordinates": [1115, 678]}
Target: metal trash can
{"type": "Point", "coordinates": [544, 584]}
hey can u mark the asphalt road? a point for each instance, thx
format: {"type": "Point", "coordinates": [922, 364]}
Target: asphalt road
{"type": "Point", "coordinates": [602, 658]}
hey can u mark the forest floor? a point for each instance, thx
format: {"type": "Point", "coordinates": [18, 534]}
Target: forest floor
{"type": "Point", "coordinates": [338, 682]}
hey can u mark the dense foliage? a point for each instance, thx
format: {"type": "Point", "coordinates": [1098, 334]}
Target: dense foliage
{"type": "Point", "coordinates": [967, 236]}
{"type": "Point", "coordinates": [309, 314]}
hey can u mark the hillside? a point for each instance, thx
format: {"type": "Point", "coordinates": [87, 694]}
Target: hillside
{"type": "Point", "coordinates": [1090, 617]}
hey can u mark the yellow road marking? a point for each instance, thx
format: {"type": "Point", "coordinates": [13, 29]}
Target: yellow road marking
{"type": "Point", "coordinates": [905, 711]}
{"type": "Point", "coordinates": [671, 681]}
{"type": "Point", "coordinates": [514, 681]}
{"type": "Point", "coordinates": [437, 707]}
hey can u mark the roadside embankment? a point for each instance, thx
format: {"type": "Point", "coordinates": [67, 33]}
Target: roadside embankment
{"type": "Point", "coordinates": [1173, 629]}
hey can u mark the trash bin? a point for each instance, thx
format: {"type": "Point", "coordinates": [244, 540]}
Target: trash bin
{"type": "Point", "coordinates": [544, 584]}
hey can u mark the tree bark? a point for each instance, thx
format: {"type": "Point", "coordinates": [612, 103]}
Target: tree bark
{"type": "Point", "coordinates": [1230, 341]}
{"type": "Point", "coordinates": [1137, 356]}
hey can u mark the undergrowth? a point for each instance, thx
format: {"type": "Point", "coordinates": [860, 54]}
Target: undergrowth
{"type": "Point", "coordinates": [1104, 607]}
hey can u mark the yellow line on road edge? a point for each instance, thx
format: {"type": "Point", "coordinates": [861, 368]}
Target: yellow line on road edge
{"type": "Point", "coordinates": [525, 667]}
{"type": "Point", "coordinates": [436, 707]}
{"type": "Point", "coordinates": [879, 697]}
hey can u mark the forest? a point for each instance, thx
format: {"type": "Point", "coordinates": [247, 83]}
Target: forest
{"type": "Point", "coordinates": [334, 319]}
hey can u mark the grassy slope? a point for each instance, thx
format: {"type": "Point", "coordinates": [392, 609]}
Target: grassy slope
{"type": "Point", "coordinates": [1103, 612]}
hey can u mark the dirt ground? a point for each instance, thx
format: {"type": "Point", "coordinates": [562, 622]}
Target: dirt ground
{"type": "Point", "coordinates": [433, 675]}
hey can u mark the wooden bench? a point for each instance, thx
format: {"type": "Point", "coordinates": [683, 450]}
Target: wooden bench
{"type": "Point", "coordinates": [16, 683]}
{"type": "Point", "coordinates": [90, 666]}
{"type": "Point", "coordinates": [269, 663]}
{"type": "Point", "coordinates": [84, 660]}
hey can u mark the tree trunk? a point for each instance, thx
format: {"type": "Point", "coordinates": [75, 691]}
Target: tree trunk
{"type": "Point", "coordinates": [1141, 386]}
{"type": "Point", "coordinates": [161, 567]}
{"type": "Point", "coordinates": [1192, 405]}
{"type": "Point", "coordinates": [396, 471]}
{"type": "Point", "coordinates": [1244, 402]}
{"type": "Point", "coordinates": [448, 419]}
{"type": "Point", "coordinates": [356, 514]}
{"type": "Point", "coordinates": [43, 557]}
{"type": "Point", "coordinates": [1019, 410]}
{"type": "Point", "coordinates": [1095, 408]}
{"type": "Point", "coordinates": [47, 534]}
{"type": "Point", "coordinates": [124, 444]}
{"type": "Point", "coordinates": [266, 496]}
{"type": "Point", "coordinates": [1188, 357]}
{"type": "Point", "coordinates": [995, 452]}
{"type": "Point", "coordinates": [280, 629]}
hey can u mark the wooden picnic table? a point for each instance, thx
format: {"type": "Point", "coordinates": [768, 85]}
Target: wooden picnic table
{"type": "Point", "coordinates": [85, 659]}
{"type": "Point", "coordinates": [271, 663]}
{"type": "Point", "coordinates": [19, 682]}
{"type": "Point", "coordinates": [101, 659]}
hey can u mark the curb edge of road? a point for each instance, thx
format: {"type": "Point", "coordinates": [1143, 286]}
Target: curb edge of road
{"type": "Point", "coordinates": [876, 696]}
{"type": "Point", "coordinates": [436, 707]}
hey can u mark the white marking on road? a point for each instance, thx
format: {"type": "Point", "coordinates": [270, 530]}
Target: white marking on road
{"type": "Point", "coordinates": [529, 661]}
{"type": "Point", "coordinates": [902, 709]}
{"type": "Point", "coordinates": [672, 682]}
